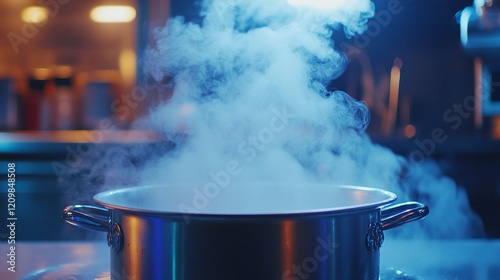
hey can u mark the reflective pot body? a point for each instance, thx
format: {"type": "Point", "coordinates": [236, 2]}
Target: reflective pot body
{"type": "Point", "coordinates": [308, 247]}
{"type": "Point", "coordinates": [340, 243]}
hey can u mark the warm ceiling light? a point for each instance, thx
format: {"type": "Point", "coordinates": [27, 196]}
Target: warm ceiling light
{"type": "Point", "coordinates": [113, 14]}
{"type": "Point", "coordinates": [34, 14]}
{"type": "Point", "coordinates": [63, 71]}
{"type": "Point", "coordinates": [41, 73]}
{"type": "Point", "coordinates": [318, 4]}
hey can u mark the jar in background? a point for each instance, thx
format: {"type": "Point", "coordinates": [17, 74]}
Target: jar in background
{"type": "Point", "coordinates": [96, 104]}
{"type": "Point", "coordinates": [63, 105]}
{"type": "Point", "coordinates": [36, 106]}
{"type": "Point", "coordinates": [9, 105]}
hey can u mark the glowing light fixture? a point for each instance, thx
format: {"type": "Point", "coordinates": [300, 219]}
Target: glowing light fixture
{"type": "Point", "coordinates": [392, 111]}
{"type": "Point", "coordinates": [34, 14]}
{"type": "Point", "coordinates": [41, 73]}
{"type": "Point", "coordinates": [318, 4]}
{"type": "Point", "coordinates": [63, 71]}
{"type": "Point", "coordinates": [410, 131]}
{"type": "Point", "coordinates": [127, 62]}
{"type": "Point", "coordinates": [113, 13]}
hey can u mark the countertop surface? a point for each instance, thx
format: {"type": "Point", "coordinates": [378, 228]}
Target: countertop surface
{"type": "Point", "coordinates": [54, 142]}
{"type": "Point", "coordinates": [40, 141]}
{"type": "Point", "coordinates": [400, 259]}
{"type": "Point", "coordinates": [78, 136]}
{"type": "Point", "coordinates": [34, 256]}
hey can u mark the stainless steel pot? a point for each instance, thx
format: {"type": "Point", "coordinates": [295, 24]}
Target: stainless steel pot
{"type": "Point", "coordinates": [245, 232]}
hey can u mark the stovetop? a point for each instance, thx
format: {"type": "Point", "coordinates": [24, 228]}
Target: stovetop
{"type": "Point", "coordinates": [100, 271]}
{"type": "Point", "coordinates": [468, 259]}
{"type": "Point", "coordinates": [74, 271]}
{"type": "Point", "coordinates": [400, 259]}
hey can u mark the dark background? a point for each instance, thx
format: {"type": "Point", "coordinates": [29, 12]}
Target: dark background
{"type": "Point", "coordinates": [436, 71]}
{"type": "Point", "coordinates": [436, 74]}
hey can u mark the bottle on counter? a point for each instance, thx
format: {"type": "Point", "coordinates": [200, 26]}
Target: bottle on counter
{"type": "Point", "coordinates": [63, 104]}
{"type": "Point", "coordinates": [9, 105]}
{"type": "Point", "coordinates": [96, 104]}
{"type": "Point", "coordinates": [36, 110]}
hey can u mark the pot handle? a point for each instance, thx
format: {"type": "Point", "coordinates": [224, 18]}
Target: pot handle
{"type": "Point", "coordinates": [399, 214]}
{"type": "Point", "coordinates": [87, 217]}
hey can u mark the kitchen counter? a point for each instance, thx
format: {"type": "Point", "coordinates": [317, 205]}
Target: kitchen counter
{"type": "Point", "coordinates": [444, 259]}
{"type": "Point", "coordinates": [49, 142]}
{"type": "Point", "coordinates": [468, 259]}
{"type": "Point", "coordinates": [33, 256]}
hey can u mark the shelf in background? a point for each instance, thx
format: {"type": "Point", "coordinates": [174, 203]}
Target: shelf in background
{"type": "Point", "coordinates": [50, 142]}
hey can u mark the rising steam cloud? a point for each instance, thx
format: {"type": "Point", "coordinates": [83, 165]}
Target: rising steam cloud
{"type": "Point", "coordinates": [249, 85]}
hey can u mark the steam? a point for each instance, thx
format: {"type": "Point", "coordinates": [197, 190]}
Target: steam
{"type": "Point", "coordinates": [249, 86]}
{"type": "Point", "coordinates": [230, 76]}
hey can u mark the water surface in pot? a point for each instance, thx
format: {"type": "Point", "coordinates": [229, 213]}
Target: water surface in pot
{"type": "Point", "coordinates": [245, 199]}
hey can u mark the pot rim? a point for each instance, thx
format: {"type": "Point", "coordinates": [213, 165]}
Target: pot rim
{"type": "Point", "coordinates": [373, 198]}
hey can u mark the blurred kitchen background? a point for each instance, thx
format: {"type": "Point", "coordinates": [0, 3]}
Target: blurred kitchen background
{"type": "Point", "coordinates": [69, 79]}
